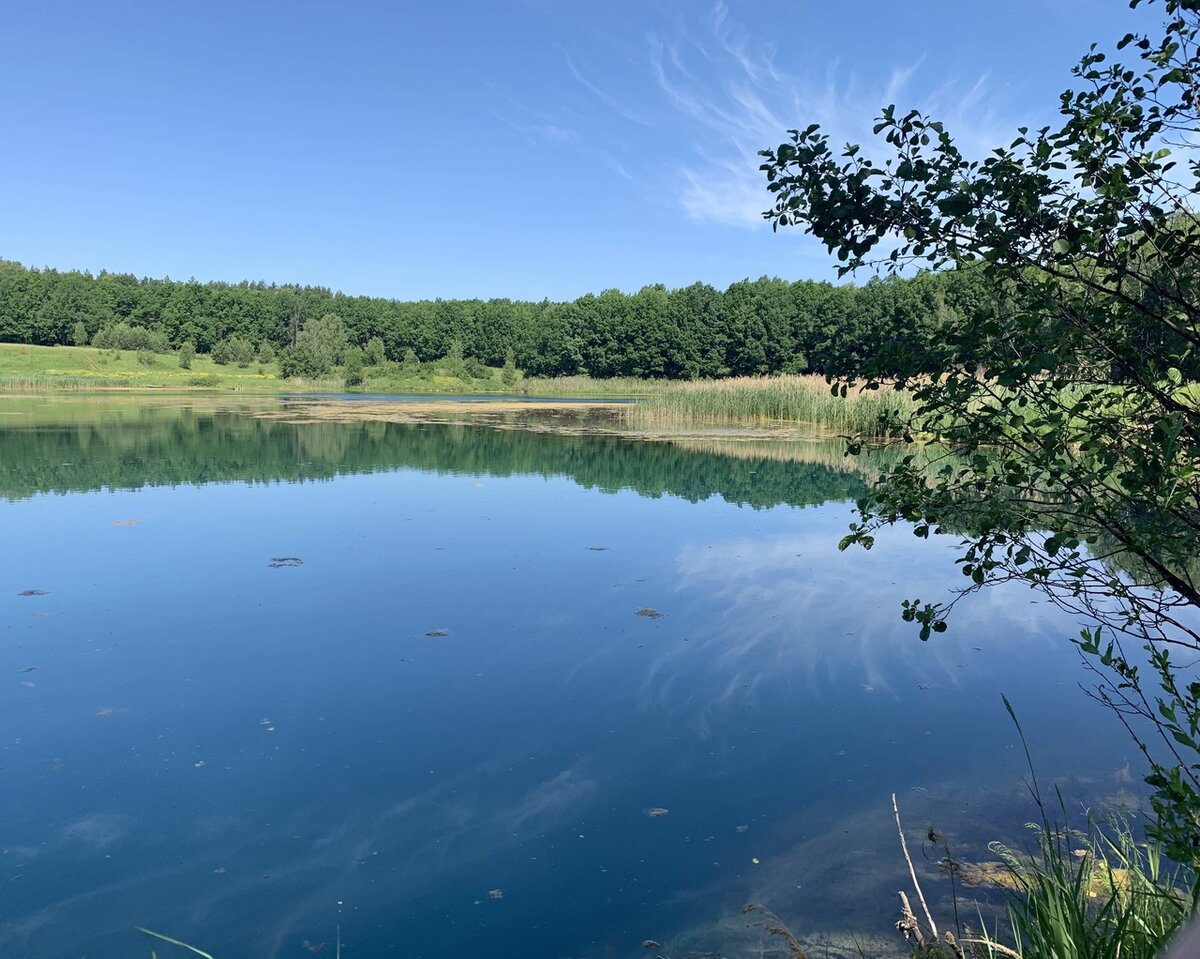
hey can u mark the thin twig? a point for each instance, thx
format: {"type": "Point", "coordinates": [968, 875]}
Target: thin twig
{"type": "Point", "coordinates": [912, 871]}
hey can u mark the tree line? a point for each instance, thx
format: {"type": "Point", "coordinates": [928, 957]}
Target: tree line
{"type": "Point", "coordinates": [768, 325]}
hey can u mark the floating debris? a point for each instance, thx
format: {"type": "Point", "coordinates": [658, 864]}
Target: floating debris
{"type": "Point", "coordinates": [755, 860]}
{"type": "Point", "coordinates": [33, 592]}
{"type": "Point", "coordinates": [438, 632]}
{"type": "Point", "coordinates": [314, 947]}
{"type": "Point", "coordinates": [264, 721]}
{"type": "Point", "coordinates": [598, 549]}
{"type": "Point", "coordinates": [743, 829]}
{"type": "Point", "coordinates": [198, 764]}
{"type": "Point", "coordinates": [656, 812]}
{"type": "Point", "coordinates": [125, 522]}
{"type": "Point", "coordinates": [219, 871]}
{"type": "Point", "coordinates": [495, 893]}
{"type": "Point", "coordinates": [279, 562]}
{"type": "Point", "coordinates": [108, 712]}
{"type": "Point", "coordinates": [649, 612]}
{"type": "Point", "coordinates": [651, 944]}
{"type": "Point", "coordinates": [28, 669]}
{"type": "Point", "coordinates": [924, 685]}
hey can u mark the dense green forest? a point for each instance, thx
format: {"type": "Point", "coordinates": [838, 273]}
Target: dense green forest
{"type": "Point", "coordinates": [753, 327]}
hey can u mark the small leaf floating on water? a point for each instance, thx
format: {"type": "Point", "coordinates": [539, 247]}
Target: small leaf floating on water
{"type": "Point", "coordinates": [651, 944]}
{"type": "Point", "coordinates": [33, 592]}
{"type": "Point", "coordinates": [495, 893]}
{"type": "Point", "coordinates": [438, 632]}
{"type": "Point", "coordinates": [279, 562]}
{"type": "Point", "coordinates": [656, 812]}
{"type": "Point", "coordinates": [649, 612]}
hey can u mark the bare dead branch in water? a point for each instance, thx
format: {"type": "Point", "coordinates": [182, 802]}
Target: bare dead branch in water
{"type": "Point", "coordinates": [907, 924]}
{"type": "Point", "coordinates": [913, 873]}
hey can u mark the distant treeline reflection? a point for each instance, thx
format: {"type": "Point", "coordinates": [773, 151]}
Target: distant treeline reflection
{"type": "Point", "coordinates": [169, 447]}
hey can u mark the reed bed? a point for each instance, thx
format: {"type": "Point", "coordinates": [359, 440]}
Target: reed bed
{"type": "Point", "coordinates": [42, 383]}
{"type": "Point", "coordinates": [773, 399]}
{"type": "Point", "coordinates": [589, 386]}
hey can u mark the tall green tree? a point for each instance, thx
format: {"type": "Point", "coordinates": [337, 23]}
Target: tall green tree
{"type": "Point", "coordinates": [1072, 410]}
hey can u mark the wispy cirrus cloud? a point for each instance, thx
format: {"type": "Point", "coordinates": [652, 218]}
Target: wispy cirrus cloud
{"type": "Point", "coordinates": [731, 91]}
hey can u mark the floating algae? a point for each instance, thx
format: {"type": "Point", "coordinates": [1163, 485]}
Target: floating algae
{"type": "Point", "coordinates": [656, 812]}
{"type": "Point", "coordinates": [649, 612]}
{"type": "Point", "coordinates": [438, 632]}
{"type": "Point", "coordinates": [33, 592]}
{"type": "Point", "coordinates": [279, 562]}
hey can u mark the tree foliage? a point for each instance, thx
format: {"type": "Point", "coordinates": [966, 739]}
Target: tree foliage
{"type": "Point", "coordinates": [1072, 408]}
{"type": "Point", "coordinates": [755, 326]}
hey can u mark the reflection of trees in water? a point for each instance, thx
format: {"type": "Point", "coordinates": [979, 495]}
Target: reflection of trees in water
{"type": "Point", "coordinates": [134, 446]}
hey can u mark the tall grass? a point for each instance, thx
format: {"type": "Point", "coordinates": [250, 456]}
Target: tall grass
{"type": "Point", "coordinates": [43, 382]}
{"type": "Point", "coordinates": [773, 399]}
{"type": "Point", "coordinates": [1105, 897]}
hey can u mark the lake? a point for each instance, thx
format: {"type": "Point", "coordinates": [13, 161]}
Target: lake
{"type": "Point", "coordinates": [500, 691]}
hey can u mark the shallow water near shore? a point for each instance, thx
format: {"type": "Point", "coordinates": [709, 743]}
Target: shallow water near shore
{"type": "Point", "coordinates": [278, 658]}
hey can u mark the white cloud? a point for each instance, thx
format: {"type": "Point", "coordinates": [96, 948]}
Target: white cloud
{"type": "Point", "coordinates": [739, 101]}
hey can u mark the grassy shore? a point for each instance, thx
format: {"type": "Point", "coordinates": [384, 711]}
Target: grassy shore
{"type": "Point", "coordinates": [35, 369]}
{"type": "Point", "coordinates": [662, 405]}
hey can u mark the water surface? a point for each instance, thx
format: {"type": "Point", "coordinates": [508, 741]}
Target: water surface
{"type": "Point", "coordinates": [452, 693]}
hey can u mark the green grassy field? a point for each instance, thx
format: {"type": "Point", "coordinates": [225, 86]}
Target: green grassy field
{"type": "Point", "coordinates": [45, 368]}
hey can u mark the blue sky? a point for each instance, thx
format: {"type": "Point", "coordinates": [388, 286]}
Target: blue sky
{"type": "Point", "coordinates": [520, 148]}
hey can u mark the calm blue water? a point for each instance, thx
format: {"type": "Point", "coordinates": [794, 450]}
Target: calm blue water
{"type": "Point", "coordinates": [224, 751]}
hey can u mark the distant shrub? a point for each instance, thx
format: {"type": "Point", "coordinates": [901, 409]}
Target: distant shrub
{"type": "Point", "coordinates": [204, 379]}
{"type": "Point", "coordinates": [352, 365]}
{"type": "Point", "coordinates": [374, 353]}
{"type": "Point", "coordinates": [233, 349]}
{"type": "Point", "coordinates": [410, 365]}
{"type": "Point", "coordinates": [123, 336]}
{"type": "Point", "coordinates": [476, 370]}
{"type": "Point", "coordinates": [291, 362]}
{"type": "Point", "coordinates": [266, 352]}
{"type": "Point", "coordinates": [79, 335]}
{"type": "Point", "coordinates": [187, 353]}
{"type": "Point", "coordinates": [510, 374]}
{"type": "Point", "coordinates": [146, 358]}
